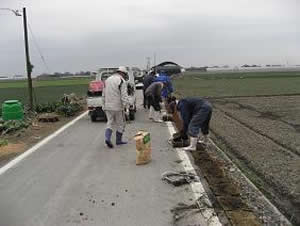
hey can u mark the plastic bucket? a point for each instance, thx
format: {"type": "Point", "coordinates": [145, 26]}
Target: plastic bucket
{"type": "Point", "coordinates": [12, 110]}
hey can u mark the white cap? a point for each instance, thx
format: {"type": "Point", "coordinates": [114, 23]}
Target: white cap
{"type": "Point", "coordinates": [122, 69]}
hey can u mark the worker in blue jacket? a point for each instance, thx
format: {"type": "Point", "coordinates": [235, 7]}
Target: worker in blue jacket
{"type": "Point", "coordinates": [168, 89]}
{"type": "Point", "coordinates": [195, 113]}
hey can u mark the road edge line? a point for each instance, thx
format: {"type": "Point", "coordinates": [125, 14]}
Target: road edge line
{"type": "Point", "coordinates": [31, 150]}
{"type": "Point", "coordinates": [198, 189]}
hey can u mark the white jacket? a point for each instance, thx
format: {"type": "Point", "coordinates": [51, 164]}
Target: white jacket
{"type": "Point", "coordinates": [115, 93]}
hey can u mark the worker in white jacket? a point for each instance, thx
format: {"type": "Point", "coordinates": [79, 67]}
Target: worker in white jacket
{"type": "Point", "coordinates": [115, 100]}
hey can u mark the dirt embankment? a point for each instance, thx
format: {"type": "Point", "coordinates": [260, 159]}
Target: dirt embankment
{"type": "Point", "coordinates": [227, 193]}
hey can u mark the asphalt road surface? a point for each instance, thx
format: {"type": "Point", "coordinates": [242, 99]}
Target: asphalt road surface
{"type": "Point", "coordinates": [74, 179]}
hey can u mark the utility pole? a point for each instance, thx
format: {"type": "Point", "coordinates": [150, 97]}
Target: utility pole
{"type": "Point", "coordinates": [154, 61]}
{"type": "Point", "coordinates": [148, 63]}
{"type": "Point", "coordinates": [29, 66]}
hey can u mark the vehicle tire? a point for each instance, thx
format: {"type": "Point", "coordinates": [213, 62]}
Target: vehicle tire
{"type": "Point", "coordinates": [93, 118]}
{"type": "Point", "coordinates": [131, 115]}
{"type": "Point", "coordinates": [101, 114]}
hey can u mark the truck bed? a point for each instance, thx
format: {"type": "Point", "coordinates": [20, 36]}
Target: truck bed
{"type": "Point", "coordinates": [94, 101]}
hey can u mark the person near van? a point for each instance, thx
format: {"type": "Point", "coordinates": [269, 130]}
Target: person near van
{"type": "Point", "coordinates": [115, 100]}
{"type": "Point", "coordinates": [148, 79]}
{"type": "Point", "coordinates": [153, 96]}
{"type": "Point", "coordinates": [195, 113]}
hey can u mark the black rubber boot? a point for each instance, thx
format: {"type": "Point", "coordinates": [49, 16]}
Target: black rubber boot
{"type": "Point", "coordinates": [119, 138]}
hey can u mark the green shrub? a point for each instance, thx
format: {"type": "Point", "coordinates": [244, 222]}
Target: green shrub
{"type": "Point", "coordinates": [63, 107]}
{"type": "Point", "coordinates": [69, 110]}
{"type": "Point", "coordinates": [13, 125]}
{"type": "Point", "coordinates": [47, 107]}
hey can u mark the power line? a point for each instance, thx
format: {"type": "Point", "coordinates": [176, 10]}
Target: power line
{"type": "Point", "coordinates": [38, 48]}
{"type": "Point", "coordinates": [41, 55]}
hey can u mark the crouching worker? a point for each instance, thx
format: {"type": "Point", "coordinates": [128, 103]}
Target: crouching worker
{"type": "Point", "coordinates": [153, 95]}
{"type": "Point", "coordinates": [115, 100]}
{"type": "Point", "coordinates": [196, 114]}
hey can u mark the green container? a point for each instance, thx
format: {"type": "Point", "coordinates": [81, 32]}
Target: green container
{"type": "Point", "coordinates": [12, 110]}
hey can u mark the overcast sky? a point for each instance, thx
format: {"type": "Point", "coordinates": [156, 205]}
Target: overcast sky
{"type": "Point", "coordinates": [85, 35]}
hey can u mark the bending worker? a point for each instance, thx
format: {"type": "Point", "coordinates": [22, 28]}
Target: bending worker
{"type": "Point", "coordinates": [168, 88]}
{"type": "Point", "coordinates": [115, 101]}
{"type": "Point", "coordinates": [196, 114]}
{"type": "Point", "coordinates": [153, 96]}
{"type": "Point", "coordinates": [148, 79]}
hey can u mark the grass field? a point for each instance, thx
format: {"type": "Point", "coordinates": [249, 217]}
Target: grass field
{"type": "Point", "coordinates": [44, 83]}
{"type": "Point", "coordinates": [237, 84]}
{"type": "Point", "coordinates": [190, 84]}
{"type": "Point", "coordinates": [44, 91]}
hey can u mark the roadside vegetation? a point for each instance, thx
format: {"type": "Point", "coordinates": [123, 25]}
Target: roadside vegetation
{"type": "Point", "coordinates": [63, 97]}
{"type": "Point", "coordinates": [48, 98]}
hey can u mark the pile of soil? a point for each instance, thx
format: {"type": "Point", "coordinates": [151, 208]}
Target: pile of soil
{"type": "Point", "coordinates": [227, 199]}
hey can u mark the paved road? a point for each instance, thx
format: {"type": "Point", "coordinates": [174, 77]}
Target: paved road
{"type": "Point", "coordinates": [75, 180]}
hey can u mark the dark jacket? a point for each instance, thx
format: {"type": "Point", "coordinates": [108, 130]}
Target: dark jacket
{"type": "Point", "coordinates": [153, 95]}
{"type": "Point", "coordinates": [148, 79]}
{"type": "Point", "coordinates": [190, 106]}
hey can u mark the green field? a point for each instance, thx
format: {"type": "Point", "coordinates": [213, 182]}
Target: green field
{"type": "Point", "coordinates": [44, 91]}
{"type": "Point", "coordinates": [44, 83]}
{"type": "Point", "coordinates": [237, 84]}
{"type": "Point", "coordinates": [190, 84]}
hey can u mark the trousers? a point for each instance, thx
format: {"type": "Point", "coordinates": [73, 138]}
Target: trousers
{"type": "Point", "coordinates": [200, 120]}
{"type": "Point", "coordinates": [154, 102]}
{"type": "Point", "coordinates": [115, 119]}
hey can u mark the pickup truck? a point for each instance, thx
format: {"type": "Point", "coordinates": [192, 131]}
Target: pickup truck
{"type": "Point", "coordinates": [95, 97]}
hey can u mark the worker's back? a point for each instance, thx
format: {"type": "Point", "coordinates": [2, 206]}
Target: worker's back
{"type": "Point", "coordinates": [112, 93]}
